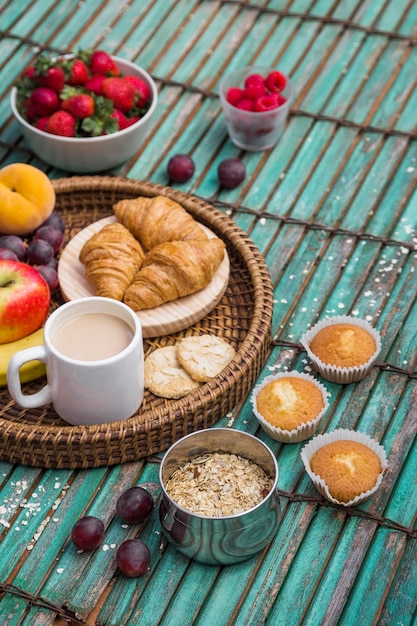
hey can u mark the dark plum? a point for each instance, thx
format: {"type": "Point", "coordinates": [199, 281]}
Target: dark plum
{"type": "Point", "coordinates": [8, 255]}
{"type": "Point", "coordinates": [88, 533]}
{"type": "Point", "coordinates": [56, 221]}
{"type": "Point", "coordinates": [39, 252]}
{"type": "Point", "coordinates": [50, 275]}
{"type": "Point", "coordinates": [50, 234]}
{"type": "Point", "coordinates": [135, 505]}
{"type": "Point", "coordinates": [15, 244]}
{"type": "Point", "coordinates": [231, 172]}
{"type": "Point", "coordinates": [133, 558]}
{"type": "Point", "coordinates": [180, 168]}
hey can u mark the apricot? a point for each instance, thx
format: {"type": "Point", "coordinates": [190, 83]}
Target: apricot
{"type": "Point", "coordinates": [27, 198]}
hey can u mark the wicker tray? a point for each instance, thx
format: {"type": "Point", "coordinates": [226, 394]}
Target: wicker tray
{"type": "Point", "coordinates": [38, 437]}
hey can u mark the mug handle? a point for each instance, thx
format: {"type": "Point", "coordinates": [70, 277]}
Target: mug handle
{"type": "Point", "coordinates": [36, 353]}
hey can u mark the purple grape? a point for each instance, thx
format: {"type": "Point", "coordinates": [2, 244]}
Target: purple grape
{"type": "Point", "coordinates": [88, 533]}
{"type": "Point", "coordinates": [133, 558]}
{"type": "Point", "coordinates": [8, 255]}
{"type": "Point", "coordinates": [231, 172]}
{"type": "Point", "coordinates": [15, 244]}
{"type": "Point", "coordinates": [50, 234]}
{"type": "Point", "coordinates": [180, 168]}
{"type": "Point", "coordinates": [39, 252]}
{"type": "Point", "coordinates": [52, 263]}
{"type": "Point", "coordinates": [50, 275]}
{"type": "Point", "coordinates": [135, 505]}
{"type": "Point", "coordinates": [56, 221]}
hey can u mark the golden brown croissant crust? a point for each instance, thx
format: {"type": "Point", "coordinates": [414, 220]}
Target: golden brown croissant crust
{"type": "Point", "coordinates": [155, 220]}
{"type": "Point", "coordinates": [111, 257]}
{"type": "Point", "coordinates": [172, 270]}
{"type": "Point", "coordinates": [180, 260]}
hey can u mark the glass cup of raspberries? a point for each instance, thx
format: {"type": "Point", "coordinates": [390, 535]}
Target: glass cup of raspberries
{"type": "Point", "coordinates": [256, 102]}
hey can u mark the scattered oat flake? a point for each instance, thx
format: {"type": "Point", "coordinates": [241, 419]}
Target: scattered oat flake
{"type": "Point", "coordinates": [59, 570]}
{"type": "Point", "coordinates": [410, 169]}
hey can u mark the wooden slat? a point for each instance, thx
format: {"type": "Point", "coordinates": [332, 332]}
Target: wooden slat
{"type": "Point", "coordinates": [333, 208]}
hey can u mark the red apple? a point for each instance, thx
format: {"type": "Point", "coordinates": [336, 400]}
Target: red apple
{"type": "Point", "coordinates": [24, 300]}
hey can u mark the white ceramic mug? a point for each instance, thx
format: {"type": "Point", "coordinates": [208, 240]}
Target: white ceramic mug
{"type": "Point", "coordinates": [99, 379]}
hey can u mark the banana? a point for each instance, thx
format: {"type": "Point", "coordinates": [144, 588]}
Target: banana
{"type": "Point", "coordinates": [29, 371]}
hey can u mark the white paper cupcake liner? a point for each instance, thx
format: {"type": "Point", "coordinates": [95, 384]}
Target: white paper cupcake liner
{"type": "Point", "coordinates": [342, 434]}
{"type": "Point", "coordinates": [333, 373]}
{"type": "Point", "coordinates": [304, 431]}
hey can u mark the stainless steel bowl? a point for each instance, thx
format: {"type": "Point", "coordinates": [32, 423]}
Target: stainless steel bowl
{"type": "Point", "coordinates": [219, 540]}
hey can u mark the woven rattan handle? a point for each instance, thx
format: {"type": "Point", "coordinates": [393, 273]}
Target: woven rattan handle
{"type": "Point", "coordinates": [36, 353]}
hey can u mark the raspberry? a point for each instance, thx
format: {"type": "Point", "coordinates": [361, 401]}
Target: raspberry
{"type": "Point", "coordinates": [254, 87]}
{"type": "Point", "coordinates": [254, 79]}
{"type": "Point", "coordinates": [234, 95]}
{"type": "Point", "coordinates": [245, 105]}
{"type": "Point", "coordinates": [266, 103]}
{"type": "Point", "coordinates": [275, 82]}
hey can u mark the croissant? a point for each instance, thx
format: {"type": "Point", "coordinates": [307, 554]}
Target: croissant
{"type": "Point", "coordinates": [112, 256]}
{"type": "Point", "coordinates": [155, 220]}
{"type": "Point", "coordinates": [172, 270]}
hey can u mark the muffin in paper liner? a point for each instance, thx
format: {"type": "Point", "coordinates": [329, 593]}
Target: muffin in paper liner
{"type": "Point", "coordinates": [306, 429]}
{"type": "Point", "coordinates": [333, 373]}
{"type": "Point", "coordinates": [337, 435]}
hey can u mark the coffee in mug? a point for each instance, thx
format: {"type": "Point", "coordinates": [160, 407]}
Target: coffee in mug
{"type": "Point", "coordinates": [93, 352]}
{"type": "Point", "coordinates": [81, 338]}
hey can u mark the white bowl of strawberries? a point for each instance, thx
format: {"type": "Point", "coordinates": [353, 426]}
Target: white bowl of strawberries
{"type": "Point", "coordinates": [84, 113]}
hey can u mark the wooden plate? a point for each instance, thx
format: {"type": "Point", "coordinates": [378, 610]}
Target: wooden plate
{"type": "Point", "coordinates": [166, 319]}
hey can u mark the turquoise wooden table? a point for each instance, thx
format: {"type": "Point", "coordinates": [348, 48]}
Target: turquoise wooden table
{"type": "Point", "coordinates": [333, 210]}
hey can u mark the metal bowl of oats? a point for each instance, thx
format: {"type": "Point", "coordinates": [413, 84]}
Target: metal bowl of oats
{"type": "Point", "coordinates": [220, 502]}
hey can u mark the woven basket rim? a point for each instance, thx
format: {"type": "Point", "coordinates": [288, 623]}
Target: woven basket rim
{"type": "Point", "coordinates": [259, 328]}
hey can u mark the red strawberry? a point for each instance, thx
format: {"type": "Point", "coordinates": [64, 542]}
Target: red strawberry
{"type": "Point", "coordinates": [266, 103]}
{"type": "Point", "coordinates": [142, 89]}
{"type": "Point", "coordinates": [26, 109]}
{"type": "Point", "coordinates": [95, 84]}
{"type": "Point", "coordinates": [275, 82]}
{"type": "Point", "coordinates": [122, 120]}
{"type": "Point", "coordinates": [234, 95]}
{"type": "Point", "coordinates": [44, 101]}
{"type": "Point", "coordinates": [61, 123]}
{"type": "Point", "coordinates": [121, 92]}
{"type": "Point", "coordinates": [29, 72]}
{"type": "Point", "coordinates": [80, 105]}
{"type": "Point", "coordinates": [41, 123]}
{"type": "Point", "coordinates": [54, 78]}
{"type": "Point", "coordinates": [102, 63]}
{"type": "Point", "coordinates": [78, 72]}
